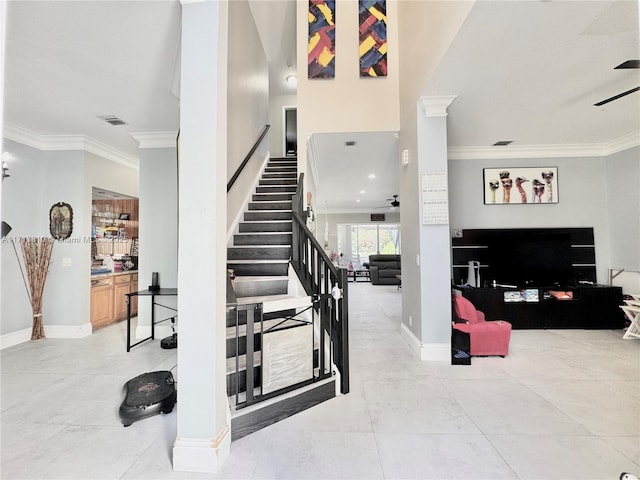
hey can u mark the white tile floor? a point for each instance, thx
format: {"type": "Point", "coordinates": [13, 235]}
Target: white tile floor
{"type": "Point", "coordinates": [563, 405]}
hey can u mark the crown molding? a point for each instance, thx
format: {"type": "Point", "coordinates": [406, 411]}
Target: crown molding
{"type": "Point", "coordinates": [67, 142]}
{"type": "Point", "coordinates": [546, 151]}
{"type": "Point", "coordinates": [155, 139]}
{"type": "Point", "coordinates": [622, 143]}
{"type": "Point", "coordinates": [436, 106]}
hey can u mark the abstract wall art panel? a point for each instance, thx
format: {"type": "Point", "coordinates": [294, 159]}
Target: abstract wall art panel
{"type": "Point", "coordinates": [322, 39]}
{"type": "Point", "coordinates": [373, 38]}
{"type": "Point", "coordinates": [519, 185]}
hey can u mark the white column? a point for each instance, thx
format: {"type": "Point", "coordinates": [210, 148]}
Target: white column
{"type": "Point", "coordinates": [435, 239]}
{"type": "Point", "coordinates": [203, 436]}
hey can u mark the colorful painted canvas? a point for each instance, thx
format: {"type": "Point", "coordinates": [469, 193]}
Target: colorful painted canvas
{"type": "Point", "coordinates": [373, 38]}
{"type": "Point", "coordinates": [322, 39]}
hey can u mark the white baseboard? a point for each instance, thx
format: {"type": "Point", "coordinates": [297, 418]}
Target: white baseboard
{"type": "Point", "coordinates": [50, 331]}
{"type": "Point", "coordinates": [68, 331]}
{"type": "Point", "coordinates": [427, 352]}
{"type": "Point", "coordinates": [15, 338]}
{"type": "Point", "coordinates": [200, 454]}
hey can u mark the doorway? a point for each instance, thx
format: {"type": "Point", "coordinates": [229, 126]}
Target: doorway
{"type": "Point", "coordinates": [290, 131]}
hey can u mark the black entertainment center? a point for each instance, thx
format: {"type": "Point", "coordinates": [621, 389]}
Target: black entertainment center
{"type": "Point", "coordinates": [537, 278]}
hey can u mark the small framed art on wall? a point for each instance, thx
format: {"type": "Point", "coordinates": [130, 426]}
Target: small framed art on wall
{"type": "Point", "coordinates": [519, 185]}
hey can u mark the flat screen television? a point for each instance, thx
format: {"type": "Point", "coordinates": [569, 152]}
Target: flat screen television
{"type": "Point", "coordinates": [534, 258]}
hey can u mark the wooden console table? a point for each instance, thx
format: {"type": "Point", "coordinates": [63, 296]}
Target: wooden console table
{"type": "Point", "coordinates": [153, 294]}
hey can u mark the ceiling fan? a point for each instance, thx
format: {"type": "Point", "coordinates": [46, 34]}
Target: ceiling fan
{"type": "Point", "coordinates": [623, 66]}
{"type": "Point", "coordinates": [394, 203]}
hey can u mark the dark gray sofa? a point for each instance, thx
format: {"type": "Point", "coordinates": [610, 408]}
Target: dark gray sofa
{"type": "Point", "coordinates": [383, 269]}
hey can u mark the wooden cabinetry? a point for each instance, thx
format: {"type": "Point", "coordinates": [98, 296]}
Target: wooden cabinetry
{"type": "Point", "coordinates": [121, 214]}
{"type": "Point", "coordinates": [120, 289]}
{"type": "Point", "coordinates": [108, 298]}
{"type": "Point", "coordinates": [101, 302]}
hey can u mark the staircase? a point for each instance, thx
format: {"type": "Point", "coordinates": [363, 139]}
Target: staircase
{"type": "Point", "coordinates": [269, 311]}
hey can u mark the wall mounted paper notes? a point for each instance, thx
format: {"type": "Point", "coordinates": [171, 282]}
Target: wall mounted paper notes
{"type": "Point", "coordinates": [435, 198]}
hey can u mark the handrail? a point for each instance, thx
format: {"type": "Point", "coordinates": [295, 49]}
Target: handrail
{"type": "Point", "coordinates": [238, 171]}
{"type": "Point", "coordinates": [320, 277]}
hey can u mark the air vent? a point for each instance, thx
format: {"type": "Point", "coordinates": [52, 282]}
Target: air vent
{"type": "Point", "coordinates": [502, 143]}
{"type": "Point", "coordinates": [112, 120]}
{"type": "Point", "coordinates": [350, 143]}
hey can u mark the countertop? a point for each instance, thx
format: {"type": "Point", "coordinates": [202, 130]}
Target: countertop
{"type": "Point", "coordinates": [101, 274]}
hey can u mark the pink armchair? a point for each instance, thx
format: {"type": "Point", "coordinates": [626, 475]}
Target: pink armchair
{"type": "Point", "coordinates": [487, 337]}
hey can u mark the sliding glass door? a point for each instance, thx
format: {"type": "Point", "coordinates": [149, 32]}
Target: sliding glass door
{"type": "Point", "coordinates": [357, 242]}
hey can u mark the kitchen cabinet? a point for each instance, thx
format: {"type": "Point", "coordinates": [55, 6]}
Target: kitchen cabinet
{"type": "Point", "coordinates": [101, 302]}
{"type": "Point", "coordinates": [108, 297]}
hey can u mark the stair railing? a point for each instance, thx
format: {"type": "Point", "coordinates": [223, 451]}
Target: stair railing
{"type": "Point", "coordinates": [327, 284]}
{"type": "Point", "coordinates": [247, 383]}
{"type": "Point", "coordinates": [246, 159]}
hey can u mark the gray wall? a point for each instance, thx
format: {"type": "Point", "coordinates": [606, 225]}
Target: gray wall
{"type": "Point", "coordinates": [623, 209]}
{"type": "Point", "coordinates": [158, 231]}
{"type": "Point", "coordinates": [593, 192]}
{"type": "Point", "coordinates": [38, 180]}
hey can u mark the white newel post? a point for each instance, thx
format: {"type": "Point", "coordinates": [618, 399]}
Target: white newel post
{"type": "Point", "coordinates": [435, 238]}
{"type": "Point", "coordinates": [203, 436]}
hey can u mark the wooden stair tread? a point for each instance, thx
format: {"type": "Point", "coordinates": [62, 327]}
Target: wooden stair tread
{"type": "Point", "coordinates": [284, 220]}
{"type": "Point", "coordinates": [243, 260]}
{"type": "Point", "coordinates": [263, 233]}
{"type": "Point", "coordinates": [281, 324]}
{"type": "Point", "coordinates": [262, 405]}
{"type": "Point", "coordinates": [261, 246]}
{"type": "Point", "coordinates": [242, 363]}
{"type": "Point", "coordinates": [275, 303]}
{"type": "Point", "coordinates": [265, 278]}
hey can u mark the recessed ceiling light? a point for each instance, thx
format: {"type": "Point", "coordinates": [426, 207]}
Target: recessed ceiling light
{"type": "Point", "coordinates": [363, 191]}
{"type": "Point", "coordinates": [372, 176]}
{"type": "Point", "coordinates": [502, 143]}
{"type": "Point", "coordinates": [358, 200]}
{"type": "Point", "coordinates": [292, 80]}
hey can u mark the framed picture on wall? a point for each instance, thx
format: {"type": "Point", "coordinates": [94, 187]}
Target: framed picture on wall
{"type": "Point", "coordinates": [519, 185]}
{"type": "Point", "coordinates": [61, 221]}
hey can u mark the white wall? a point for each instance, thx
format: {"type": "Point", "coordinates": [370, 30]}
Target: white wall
{"type": "Point", "coordinates": [248, 101]}
{"type": "Point", "coordinates": [346, 103]}
{"type": "Point", "coordinates": [203, 437]}
{"type": "Point", "coordinates": [582, 193]}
